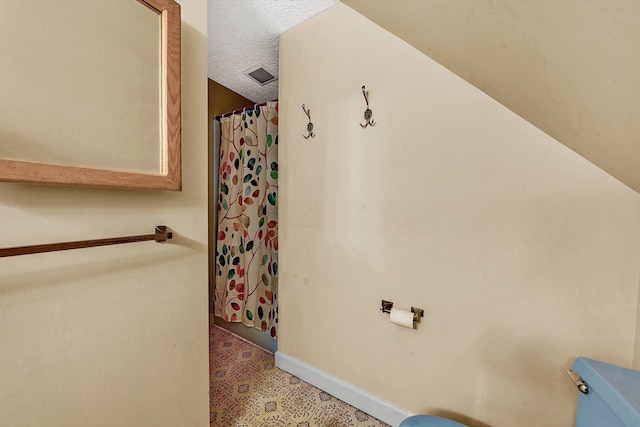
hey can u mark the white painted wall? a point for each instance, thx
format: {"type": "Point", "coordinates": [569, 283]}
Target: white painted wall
{"type": "Point", "coordinates": [114, 336]}
{"type": "Point", "coordinates": [523, 254]}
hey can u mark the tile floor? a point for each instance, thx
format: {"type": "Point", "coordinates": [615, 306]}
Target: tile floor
{"type": "Point", "coordinates": [247, 390]}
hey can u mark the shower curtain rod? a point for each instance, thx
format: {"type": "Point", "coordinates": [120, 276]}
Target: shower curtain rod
{"type": "Point", "coordinates": [161, 235]}
{"type": "Point", "coordinates": [242, 109]}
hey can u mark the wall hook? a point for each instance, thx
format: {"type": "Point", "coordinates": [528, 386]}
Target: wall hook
{"type": "Point", "coordinates": [367, 113]}
{"type": "Point", "coordinates": [310, 133]}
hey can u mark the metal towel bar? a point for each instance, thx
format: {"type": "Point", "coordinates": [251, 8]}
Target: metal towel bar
{"type": "Point", "coordinates": [161, 235]}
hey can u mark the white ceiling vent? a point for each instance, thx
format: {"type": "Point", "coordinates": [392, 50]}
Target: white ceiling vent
{"type": "Point", "coordinates": [261, 75]}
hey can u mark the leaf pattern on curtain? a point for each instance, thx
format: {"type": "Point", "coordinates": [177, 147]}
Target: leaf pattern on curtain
{"type": "Point", "coordinates": [246, 280]}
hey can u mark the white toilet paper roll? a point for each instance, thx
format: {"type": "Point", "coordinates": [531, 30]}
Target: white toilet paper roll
{"type": "Point", "coordinates": [402, 318]}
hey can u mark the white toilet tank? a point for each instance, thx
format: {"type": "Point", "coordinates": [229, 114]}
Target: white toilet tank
{"type": "Point", "coordinates": [613, 398]}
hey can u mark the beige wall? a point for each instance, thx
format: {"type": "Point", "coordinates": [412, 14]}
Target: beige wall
{"type": "Point", "coordinates": [523, 254]}
{"type": "Point", "coordinates": [113, 336]}
{"type": "Point", "coordinates": [565, 66]}
{"type": "Point", "coordinates": [93, 53]}
{"type": "Point", "coordinates": [223, 100]}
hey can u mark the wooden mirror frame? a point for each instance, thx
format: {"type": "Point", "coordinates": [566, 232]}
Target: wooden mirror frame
{"type": "Point", "coordinates": [170, 177]}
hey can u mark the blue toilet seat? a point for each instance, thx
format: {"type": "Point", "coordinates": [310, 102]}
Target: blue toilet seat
{"type": "Point", "coordinates": [429, 421]}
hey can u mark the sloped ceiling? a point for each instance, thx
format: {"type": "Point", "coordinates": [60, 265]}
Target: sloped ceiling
{"type": "Point", "coordinates": [570, 67]}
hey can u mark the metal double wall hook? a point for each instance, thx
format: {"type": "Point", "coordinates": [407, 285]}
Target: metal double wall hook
{"type": "Point", "coordinates": [367, 113]}
{"type": "Point", "coordinates": [310, 133]}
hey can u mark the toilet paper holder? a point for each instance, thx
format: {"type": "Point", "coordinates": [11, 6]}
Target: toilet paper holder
{"type": "Point", "coordinates": [417, 312]}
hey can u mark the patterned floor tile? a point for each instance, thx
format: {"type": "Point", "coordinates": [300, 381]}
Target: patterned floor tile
{"type": "Point", "coordinates": [300, 403]}
{"type": "Point", "coordinates": [241, 411]}
{"type": "Point", "coordinates": [248, 390]}
{"type": "Point", "coordinates": [334, 414]}
{"type": "Point", "coordinates": [273, 419]}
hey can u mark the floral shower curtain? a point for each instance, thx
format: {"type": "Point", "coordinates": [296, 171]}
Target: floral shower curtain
{"type": "Point", "coordinates": [246, 281]}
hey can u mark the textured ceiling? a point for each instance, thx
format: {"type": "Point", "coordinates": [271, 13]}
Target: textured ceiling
{"type": "Point", "coordinates": [570, 67]}
{"type": "Point", "coordinates": [245, 33]}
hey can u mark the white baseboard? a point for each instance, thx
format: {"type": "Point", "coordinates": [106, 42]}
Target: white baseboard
{"type": "Point", "coordinates": [354, 396]}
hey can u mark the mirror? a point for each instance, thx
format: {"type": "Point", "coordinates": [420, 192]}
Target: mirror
{"type": "Point", "coordinates": [91, 93]}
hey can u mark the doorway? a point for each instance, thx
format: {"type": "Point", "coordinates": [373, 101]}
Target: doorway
{"type": "Point", "coordinates": [225, 269]}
